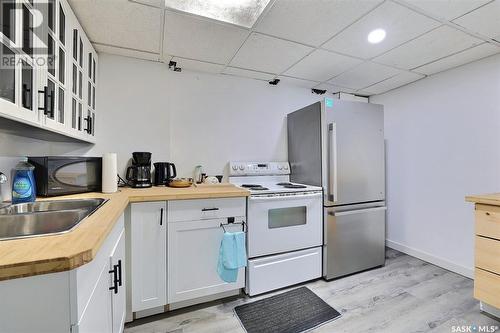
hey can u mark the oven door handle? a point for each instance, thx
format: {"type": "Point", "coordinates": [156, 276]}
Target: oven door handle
{"type": "Point", "coordinates": [285, 197]}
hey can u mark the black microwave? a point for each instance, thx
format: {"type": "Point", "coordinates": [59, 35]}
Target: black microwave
{"type": "Point", "coordinates": [61, 175]}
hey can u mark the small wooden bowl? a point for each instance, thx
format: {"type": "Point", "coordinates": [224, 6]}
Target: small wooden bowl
{"type": "Point", "coordinates": [181, 182]}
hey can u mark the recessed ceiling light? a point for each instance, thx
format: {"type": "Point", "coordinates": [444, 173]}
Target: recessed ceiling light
{"type": "Point", "coordinates": [376, 36]}
{"type": "Point", "coordinates": [240, 12]}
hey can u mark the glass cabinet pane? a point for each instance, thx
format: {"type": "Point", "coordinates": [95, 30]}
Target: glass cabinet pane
{"type": "Point", "coordinates": [80, 84]}
{"type": "Point", "coordinates": [62, 26]}
{"type": "Point", "coordinates": [73, 113]}
{"type": "Point", "coordinates": [50, 99]}
{"type": "Point", "coordinates": [8, 19]}
{"type": "Point", "coordinates": [93, 98]}
{"type": "Point", "coordinates": [81, 53]}
{"type": "Point", "coordinates": [74, 83]}
{"type": "Point", "coordinates": [27, 31]}
{"type": "Point", "coordinates": [62, 65]}
{"type": "Point", "coordinates": [7, 74]}
{"type": "Point", "coordinates": [89, 96]}
{"type": "Point", "coordinates": [93, 123]}
{"type": "Point", "coordinates": [61, 106]}
{"type": "Point", "coordinates": [80, 115]}
{"type": "Point", "coordinates": [75, 44]}
{"type": "Point", "coordinates": [51, 8]}
{"type": "Point", "coordinates": [27, 86]}
{"type": "Point", "coordinates": [90, 65]}
{"type": "Point", "coordinates": [51, 62]}
{"type": "Point", "coordinates": [93, 75]}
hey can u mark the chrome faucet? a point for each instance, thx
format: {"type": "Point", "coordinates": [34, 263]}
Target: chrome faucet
{"type": "Point", "coordinates": [3, 180]}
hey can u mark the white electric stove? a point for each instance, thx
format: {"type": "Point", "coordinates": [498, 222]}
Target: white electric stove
{"type": "Point", "coordinates": [285, 226]}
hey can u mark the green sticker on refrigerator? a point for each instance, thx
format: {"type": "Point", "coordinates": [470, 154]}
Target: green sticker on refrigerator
{"type": "Point", "coordinates": [329, 102]}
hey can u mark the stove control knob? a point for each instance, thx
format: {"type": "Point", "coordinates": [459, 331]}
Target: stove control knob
{"type": "Point", "coordinates": [242, 167]}
{"type": "Point", "coordinates": [280, 167]}
{"type": "Point", "coordinates": [286, 167]}
{"type": "Point", "coordinates": [235, 167]}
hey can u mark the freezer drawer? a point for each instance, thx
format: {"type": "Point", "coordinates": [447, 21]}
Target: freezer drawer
{"type": "Point", "coordinates": [354, 240]}
{"type": "Point", "coordinates": [282, 270]}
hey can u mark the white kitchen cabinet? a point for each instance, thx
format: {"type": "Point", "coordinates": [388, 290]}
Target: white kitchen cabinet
{"type": "Point", "coordinates": [76, 301]}
{"type": "Point", "coordinates": [39, 88]}
{"type": "Point", "coordinates": [193, 246]}
{"type": "Point", "coordinates": [148, 248]}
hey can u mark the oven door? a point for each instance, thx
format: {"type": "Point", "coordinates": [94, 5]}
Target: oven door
{"type": "Point", "coordinates": [74, 175]}
{"type": "Point", "coordinates": [283, 223]}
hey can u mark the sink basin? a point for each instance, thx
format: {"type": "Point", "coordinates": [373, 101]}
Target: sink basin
{"type": "Point", "coordinates": [44, 218]}
{"type": "Point", "coordinates": [44, 206]}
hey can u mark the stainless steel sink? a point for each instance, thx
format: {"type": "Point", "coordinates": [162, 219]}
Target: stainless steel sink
{"type": "Point", "coordinates": [44, 217]}
{"type": "Point", "coordinates": [45, 206]}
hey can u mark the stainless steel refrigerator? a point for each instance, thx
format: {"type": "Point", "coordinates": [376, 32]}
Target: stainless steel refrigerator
{"type": "Point", "coordinates": [339, 145]}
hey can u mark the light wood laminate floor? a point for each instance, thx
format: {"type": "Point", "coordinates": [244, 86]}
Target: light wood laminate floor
{"type": "Point", "coordinates": [406, 295]}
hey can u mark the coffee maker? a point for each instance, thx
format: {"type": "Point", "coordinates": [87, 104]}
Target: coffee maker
{"type": "Point", "coordinates": [139, 174]}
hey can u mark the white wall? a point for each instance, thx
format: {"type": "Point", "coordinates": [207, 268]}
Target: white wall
{"type": "Point", "coordinates": [443, 143]}
{"type": "Point", "coordinates": [186, 118]}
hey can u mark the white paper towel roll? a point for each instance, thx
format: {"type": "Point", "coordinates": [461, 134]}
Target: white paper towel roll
{"type": "Point", "coordinates": [109, 172]}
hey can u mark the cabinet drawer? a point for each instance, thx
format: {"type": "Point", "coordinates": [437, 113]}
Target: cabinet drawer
{"type": "Point", "coordinates": [488, 221]}
{"type": "Point", "coordinates": [487, 287]}
{"type": "Point", "coordinates": [202, 209]}
{"type": "Point", "coordinates": [488, 254]}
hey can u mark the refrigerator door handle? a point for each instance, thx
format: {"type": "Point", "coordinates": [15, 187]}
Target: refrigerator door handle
{"type": "Point", "coordinates": [332, 163]}
{"type": "Point", "coordinates": [357, 211]}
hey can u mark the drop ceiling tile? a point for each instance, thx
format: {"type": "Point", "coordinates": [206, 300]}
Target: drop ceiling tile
{"type": "Point", "coordinates": [436, 44]}
{"type": "Point", "coordinates": [400, 23]}
{"type": "Point", "coordinates": [248, 73]}
{"type": "Point", "coordinates": [198, 66]}
{"type": "Point", "coordinates": [322, 65]}
{"type": "Point", "coordinates": [484, 20]}
{"type": "Point", "coordinates": [334, 88]}
{"type": "Point", "coordinates": [297, 82]}
{"type": "Point", "coordinates": [120, 23]}
{"type": "Point", "coordinates": [192, 37]}
{"type": "Point", "coordinates": [268, 54]}
{"type": "Point", "coordinates": [447, 9]}
{"type": "Point", "coordinates": [469, 55]}
{"type": "Point", "coordinates": [312, 22]}
{"type": "Point", "coordinates": [364, 75]}
{"type": "Point", "coordinates": [393, 82]}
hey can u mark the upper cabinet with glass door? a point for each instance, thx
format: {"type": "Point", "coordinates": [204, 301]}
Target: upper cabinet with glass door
{"type": "Point", "coordinates": [17, 64]}
{"type": "Point", "coordinates": [45, 78]}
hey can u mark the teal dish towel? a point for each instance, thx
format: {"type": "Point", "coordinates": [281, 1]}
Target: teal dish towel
{"type": "Point", "coordinates": [232, 256]}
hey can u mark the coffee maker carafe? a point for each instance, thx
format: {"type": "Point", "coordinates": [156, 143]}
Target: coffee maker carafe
{"type": "Point", "coordinates": [139, 174]}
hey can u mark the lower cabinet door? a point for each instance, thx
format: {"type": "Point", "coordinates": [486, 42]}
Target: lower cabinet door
{"type": "Point", "coordinates": [117, 266]}
{"type": "Point", "coordinates": [148, 255]}
{"type": "Point", "coordinates": [193, 251]}
{"type": "Point", "coordinates": [98, 313]}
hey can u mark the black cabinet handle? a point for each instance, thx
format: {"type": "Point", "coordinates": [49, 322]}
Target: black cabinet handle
{"type": "Point", "coordinates": [88, 119]}
{"type": "Point", "coordinates": [119, 272]}
{"type": "Point", "coordinates": [209, 209]}
{"type": "Point", "coordinates": [45, 93]}
{"type": "Point", "coordinates": [115, 279]}
{"type": "Point", "coordinates": [161, 216]}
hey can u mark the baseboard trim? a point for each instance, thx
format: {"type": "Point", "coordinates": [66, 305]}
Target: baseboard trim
{"type": "Point", "coordinates": [459, 269]}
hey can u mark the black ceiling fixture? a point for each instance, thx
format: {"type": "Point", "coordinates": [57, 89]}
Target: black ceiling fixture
{"type": "Point", "coordinates": [274, 82]}
{"type": "Point", "coordinates": [172, 65]}
{"type": "Point", "coordinates": [318, 91]}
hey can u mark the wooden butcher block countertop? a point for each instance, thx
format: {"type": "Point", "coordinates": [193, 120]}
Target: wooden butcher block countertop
{"type": "Point", "coordinates": [49, 254]}
{"type": "Point", "coordinates": [492, 199]}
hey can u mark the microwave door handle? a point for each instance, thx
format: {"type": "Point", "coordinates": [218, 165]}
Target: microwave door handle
{"type": "Point", "coordinates": [332, 163]}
